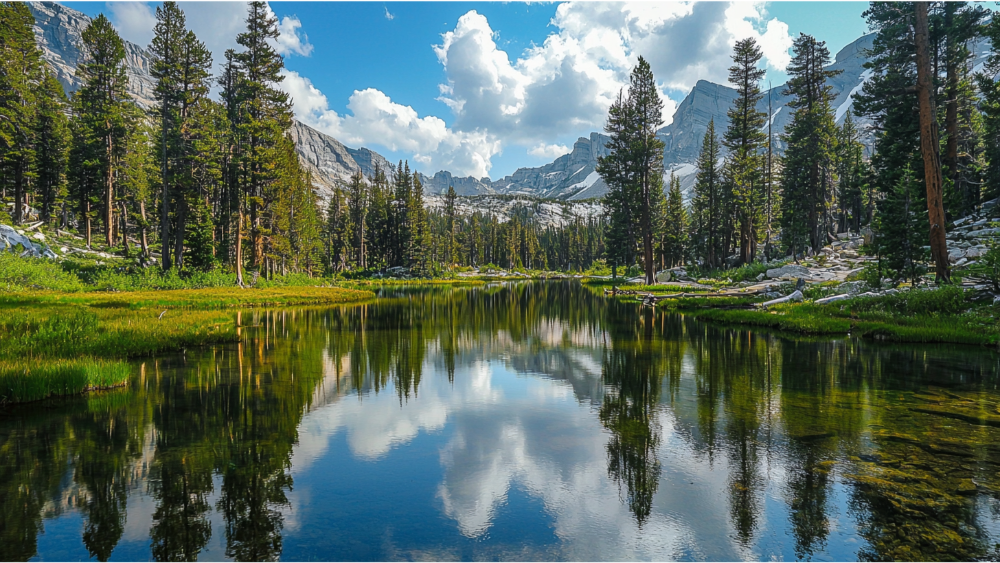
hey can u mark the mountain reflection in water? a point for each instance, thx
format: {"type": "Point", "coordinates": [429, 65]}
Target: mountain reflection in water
{"type": "Point", "coordinates": [519, 421]}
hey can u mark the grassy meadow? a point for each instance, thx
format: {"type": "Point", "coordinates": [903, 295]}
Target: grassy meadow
{"type": "Point", "coordinates": [61, 333]}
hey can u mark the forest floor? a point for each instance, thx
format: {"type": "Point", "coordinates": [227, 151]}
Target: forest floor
{"type": "Point", "coordinates": [60, 343]}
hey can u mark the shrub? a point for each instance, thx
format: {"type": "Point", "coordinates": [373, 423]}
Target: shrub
{"type": "Point", "coordinates": [987, 266]}
{"type": "Point", "coordinates": [945, 300]}
{"type": "Point", "coordinates": [20, 274]}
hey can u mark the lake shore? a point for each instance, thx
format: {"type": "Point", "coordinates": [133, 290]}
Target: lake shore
{"type": "Point", "coordinates": [946, 314]}
{"type": "Point", "coordinates": [61, 343]}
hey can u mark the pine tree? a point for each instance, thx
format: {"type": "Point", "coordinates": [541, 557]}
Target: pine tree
{"type": "Point", "coordinates": [900, 228]}
{"type": "Point", "coordinates": [744, 139]}
{"type": "Point", "coordinates": [676, 225]}
{"type": "Point", "coordinates": [930, 147]}
{"type": "Point", "coordinates": [167, 68]}
{"type": "Point", "coordinates": [961, 23]}
{"type": "Point", "coordinates": [633, 169]}
{"type": "Point", "coordinates": [199, 236]}
{"type": "Point", "coordinates": [887, 98]}
{"type": "Point", "coordinates": [20, 76]}
{"type": "Point", "coordinates": [136, 172]}
{"type": "Point", "coordinates": [265, 116]}
{"type": "Point", "coordinates": [451, 244]}
{"type": "Point", "coordinates": [337, 232]}
{"type": "Point", "coordinates": [103, 103]}
{"type": "Point", "coordinates": [648, 153]}
{"type": "Point", "coordinates": [51, 146]}
{"type": "Point", "coordinates": [850, 176]}
{"type": "Point", "coordinates": [84, 177]}
{"type": "Point", "coordinates": [419, 243]}
{"type": "Point", "coordinates": [620, 201]}
{"type": "Point", "coordinates": [708, 203]}
{"type": "Point", "coordinates": [357, 204]}
{"type": "Point", "coordinates": [379, 218]}
{"type": "Point", "coordinates": [810, 157]}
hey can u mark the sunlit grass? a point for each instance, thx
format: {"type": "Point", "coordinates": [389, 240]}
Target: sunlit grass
{"type": "Point", "coordinates": [976, 327]}
{"type": "Point", "coordinates": [54, 343]}
{"type": "Point", "coordinates": [23, 381]}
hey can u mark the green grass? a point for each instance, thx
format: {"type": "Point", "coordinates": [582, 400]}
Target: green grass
{"type": "Point", "coordinates": [22, 381]}
{"type": "Point", "coordinates": [946, 315]}
{"type": "Point", "coordinates": [54, 343]}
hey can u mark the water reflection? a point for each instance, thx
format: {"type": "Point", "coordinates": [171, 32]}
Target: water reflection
{"type": "Point", "coordinates": [525, 421]}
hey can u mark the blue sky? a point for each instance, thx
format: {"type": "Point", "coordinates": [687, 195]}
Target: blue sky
{"type": "Point", "coordinates": [484, 88]}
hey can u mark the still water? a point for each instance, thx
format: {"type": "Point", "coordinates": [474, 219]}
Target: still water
{"type": "Point", "coordinates": [530, 421]}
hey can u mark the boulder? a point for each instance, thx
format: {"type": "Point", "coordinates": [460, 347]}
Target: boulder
{"type": "Point", "coordinates": [789, 270]}
{"type": "Point", "coordinates": [664, 276]}
{"type": "Point", "coordinates": [976, 252]}
{"type": "Point", "coordinates": [10, 238]}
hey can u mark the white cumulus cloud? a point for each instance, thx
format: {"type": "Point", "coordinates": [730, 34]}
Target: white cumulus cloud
{"type": "Point", "coordinates": [215, 23]}
{"type": "Point", "coordinates": [548, 151]}
{"type": "Point", "coordinates": [374, 119]}
{"type": "Point", "coordinates": [565, 84]}
{"type": "Point", "coordinates": [290, 39]}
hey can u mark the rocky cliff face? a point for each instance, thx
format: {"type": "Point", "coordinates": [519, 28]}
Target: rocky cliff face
{"type": "Point", "coordinates": [59, 34]}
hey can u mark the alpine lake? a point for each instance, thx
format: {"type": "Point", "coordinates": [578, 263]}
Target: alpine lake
{"type": "Point", "coordinates": [514, 421]}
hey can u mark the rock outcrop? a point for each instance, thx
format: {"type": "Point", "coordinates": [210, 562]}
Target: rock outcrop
{"type": "Point", "coordinates": [59, 34]}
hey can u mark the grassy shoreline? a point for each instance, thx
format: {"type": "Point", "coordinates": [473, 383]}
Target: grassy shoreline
{"type": "Point", "coordinates": [57, 343]}
{"type": "Point", "coordinates": [944, 315]}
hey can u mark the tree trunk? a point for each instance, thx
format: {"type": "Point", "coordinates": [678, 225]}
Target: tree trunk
{"type": "Point", "coordinates": [19, 192]}
{"type": "Point", "coordinates": [109, 200]}
{"type": "Point", "coordinates": [123, 228]}
{"type": "Point", "coordinates": [239, 251]}
{"type": "Point", "coordinates": [181, 214]}
{"type": "Point", "coordinates": [165, 204]}
{"type": "Point", "coordinates": [87, 218]}
{"type": "Point", "coordinates": [144, 241]}
{"type": "Point", "coordinates": [930, 147]}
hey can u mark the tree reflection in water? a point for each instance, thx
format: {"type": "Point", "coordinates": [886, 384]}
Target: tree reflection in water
{"type": "Point", "coordinates": [214, 430]}
{"type": "Point", "coordinates": [629, 411]}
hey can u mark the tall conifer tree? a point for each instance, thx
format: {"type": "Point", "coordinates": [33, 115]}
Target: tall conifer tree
{"type": "Point", "coordinates": [20, 76]}
{"type": "Point", "coordinates": [51, 146]}
{"type": "Point", "coordinates": [708, 203]}
{"type": "Point", "coordinates": [102, 102]}
{"type": "Point", "coordinates": [265, 116]}
{"type": "Point", "coordinates": [744, 140]}
{"type": "Point", "coordinates": [810, 159]}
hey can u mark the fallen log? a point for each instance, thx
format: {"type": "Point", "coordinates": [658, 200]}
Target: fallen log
{"type": "Point", "coordinates": [833, 298]}
{"type": "Point", "coordinates": [795, 296]}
